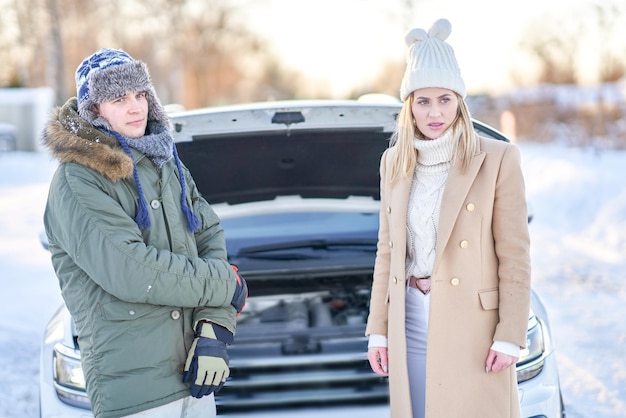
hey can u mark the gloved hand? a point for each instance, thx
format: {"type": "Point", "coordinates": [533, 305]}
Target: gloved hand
{"type": "Point", "coordinates": [207, 362]}
{"type": "Point", "coordinates": [241, 292]}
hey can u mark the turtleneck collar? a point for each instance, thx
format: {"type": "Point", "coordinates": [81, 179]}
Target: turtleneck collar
{"type": "Point", "coordinates": [431, 152]}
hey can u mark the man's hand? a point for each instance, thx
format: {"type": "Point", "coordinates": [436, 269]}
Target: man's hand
{"type": "Point", "coordinates": [207, 362]}
{"type": "Point", "coordinates": [241, 292]}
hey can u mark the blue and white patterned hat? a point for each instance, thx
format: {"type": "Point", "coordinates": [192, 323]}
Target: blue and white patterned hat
{"type": "Point", "coordinates": [111, 73]}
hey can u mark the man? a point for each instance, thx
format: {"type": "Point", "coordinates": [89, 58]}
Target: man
{"type": "Point", "coordinates": [139, 254]}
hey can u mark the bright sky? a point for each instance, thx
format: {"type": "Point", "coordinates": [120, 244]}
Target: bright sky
{"type": "Point", "coordinates": [343, 41]}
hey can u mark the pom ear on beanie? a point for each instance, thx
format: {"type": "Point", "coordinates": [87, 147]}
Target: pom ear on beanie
{"type": "Point", "coordinates": [431, 61]}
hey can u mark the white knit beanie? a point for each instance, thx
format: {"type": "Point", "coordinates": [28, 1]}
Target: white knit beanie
{"type": "Point", "coordinates": [431, 61]}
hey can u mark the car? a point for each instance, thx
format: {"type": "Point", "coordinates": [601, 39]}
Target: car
{"type": "Point", "coordinates": [296, 186]}
{"type": "Point", "coordinates": [8, 135]}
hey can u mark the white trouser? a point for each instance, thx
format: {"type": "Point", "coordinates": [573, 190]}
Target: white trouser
{"type": "Point", "coordinates": [416, 325]}
{"type": "Point", "coordinates": [188, 407]}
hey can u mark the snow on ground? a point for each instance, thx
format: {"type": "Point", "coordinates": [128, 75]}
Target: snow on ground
{"type": "Point", "coordinates": [578, 197]}
{"type": "Point", "coordinates": [579, 269]}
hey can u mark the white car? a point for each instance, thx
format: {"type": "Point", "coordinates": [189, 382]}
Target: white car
{"type": "Point", "coordinates": [296, 186]}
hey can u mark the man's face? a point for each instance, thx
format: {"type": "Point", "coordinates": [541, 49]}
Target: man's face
{"type": "Point", "coordinates": [127, 115]}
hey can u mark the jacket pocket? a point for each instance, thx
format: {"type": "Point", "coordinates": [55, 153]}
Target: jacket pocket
{"type": "Point", "coordinates": [125, 311]}
{"type": "Point", "coordinates": [489, 299]}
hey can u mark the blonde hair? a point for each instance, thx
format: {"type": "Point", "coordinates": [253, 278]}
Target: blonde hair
{"type": "Point", "coordinates": [404, 159]}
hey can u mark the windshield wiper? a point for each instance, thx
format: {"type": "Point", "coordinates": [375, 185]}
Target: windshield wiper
{"type": "Point", "coordinates": [361, 244]}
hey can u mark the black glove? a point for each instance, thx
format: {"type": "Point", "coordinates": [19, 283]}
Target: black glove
{"type": "Point", "coordinates": [241, 292]}
{"type": "Point", "coordinates": [207, 362]}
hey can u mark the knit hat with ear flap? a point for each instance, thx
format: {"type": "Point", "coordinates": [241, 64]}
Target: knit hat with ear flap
{"type": "Point", "coordinates": [431, 61]}
{"type": "Point", "coordinates": [111, 73]}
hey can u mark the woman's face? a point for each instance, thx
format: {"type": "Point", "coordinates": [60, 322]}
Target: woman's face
{"type": "Point", "coordinates": [434, 110]}
{"type": "Point", "coordinates": [127, 115]}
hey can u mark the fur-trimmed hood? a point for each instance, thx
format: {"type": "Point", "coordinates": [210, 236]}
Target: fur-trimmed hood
{"type": "Point", "coordinates": [72, 139]}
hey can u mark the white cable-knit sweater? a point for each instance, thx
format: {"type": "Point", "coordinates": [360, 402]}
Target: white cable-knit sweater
{"type": "Point", "coordinates": [431, 171]}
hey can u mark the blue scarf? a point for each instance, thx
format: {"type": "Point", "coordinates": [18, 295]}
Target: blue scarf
{"type": "Point", "coordinates": [159, 155]}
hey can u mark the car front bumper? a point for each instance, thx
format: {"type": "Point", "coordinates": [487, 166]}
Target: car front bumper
{"type": "Point", "coordinates": [540, 396]}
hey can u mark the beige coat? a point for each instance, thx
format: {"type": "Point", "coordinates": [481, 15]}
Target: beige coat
{"type": "Point", "coordinates": [480, 289]}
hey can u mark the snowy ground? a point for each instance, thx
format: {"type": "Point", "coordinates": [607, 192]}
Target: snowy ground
{"type": "Point", "coordinates": [578, 234]}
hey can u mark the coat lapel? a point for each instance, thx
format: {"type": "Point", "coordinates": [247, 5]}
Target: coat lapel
{"type": "Point", "coordinates": [457, 187]}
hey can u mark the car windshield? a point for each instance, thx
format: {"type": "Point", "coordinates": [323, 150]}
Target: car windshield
{"type": "Point", "coordinates": [299, 224]}
{"type": "Point", "coordinates": [299, 231]}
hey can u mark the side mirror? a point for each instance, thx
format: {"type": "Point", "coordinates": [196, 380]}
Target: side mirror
{"type": "Point", "coordinates": [43, 239]}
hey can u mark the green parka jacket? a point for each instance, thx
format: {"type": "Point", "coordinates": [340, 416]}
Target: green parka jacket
{"type": "Point", "coordinates": [134, 294]}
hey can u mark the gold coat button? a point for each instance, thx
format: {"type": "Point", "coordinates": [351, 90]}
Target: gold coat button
{"type": "Point", "coordinates": [175, 314]}
{"type": "Point", "coordinates": [470, 207]}
{"type": "Point", "coordinates": [455, 281]}
{"type": "Point", "coordinates": [464, 244]}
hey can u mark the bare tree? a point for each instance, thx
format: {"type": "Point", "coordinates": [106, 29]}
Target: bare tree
{"type": "Point", "coordinates": [553, 49]}
{"type": "Point", "coordinates": [56, 62]}
{"type": "Point", "coordinates": [198, 52]}
{"type": "Point", "coordinates": [589, 34]}
{"type": "Point", "coordinates": [29, 50]}
{"type": "Point", "coordinates": [612, 51]}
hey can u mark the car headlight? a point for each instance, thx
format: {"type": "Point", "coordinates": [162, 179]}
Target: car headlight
{"type": "Point", "coordinates": [69, 380]}
{"type": "Point", "coordinates": [532, 358]}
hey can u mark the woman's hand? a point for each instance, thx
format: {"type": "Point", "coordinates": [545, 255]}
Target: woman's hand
{"type": "Point", "coordinates": [496, 361]}
{"type": "Point", "coordinates": [378, 360]}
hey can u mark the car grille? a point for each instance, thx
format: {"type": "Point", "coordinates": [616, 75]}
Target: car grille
{"type": "Point", "coordinates": [304, 369]}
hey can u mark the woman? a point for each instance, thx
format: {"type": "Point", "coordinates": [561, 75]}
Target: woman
{"type": "Point", "coordinates": [451, 289]}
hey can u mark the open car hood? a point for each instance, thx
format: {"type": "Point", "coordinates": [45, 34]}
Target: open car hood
{"type": "Point", "coordinates": [316, 149]}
